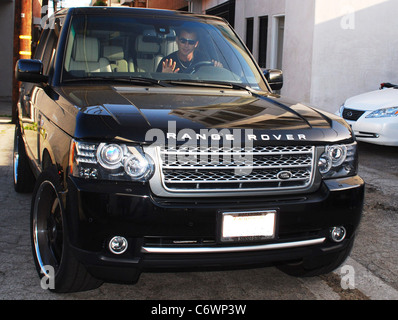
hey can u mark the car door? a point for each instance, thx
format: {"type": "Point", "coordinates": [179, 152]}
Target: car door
{"type": "Point", "coordinates": [31, 97]}
{"type": "Point", "coordinates": [26, 111]}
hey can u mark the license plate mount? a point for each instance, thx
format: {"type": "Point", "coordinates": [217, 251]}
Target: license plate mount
{"type": "Point", "coordinates": [244, 226]}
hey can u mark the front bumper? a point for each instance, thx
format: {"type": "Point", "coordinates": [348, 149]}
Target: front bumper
{"type": "Point", "coordinates": [382, 131]}
{"type": "Point", "coordinates": [183, 233]}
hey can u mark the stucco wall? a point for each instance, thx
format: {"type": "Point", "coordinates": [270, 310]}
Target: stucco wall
{"type": "Point", "coordinates": [298, 48]}
{"type": "Point", "coordinates": [355, 49]}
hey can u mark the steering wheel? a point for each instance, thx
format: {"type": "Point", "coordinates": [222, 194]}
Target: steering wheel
{"type": "Point", "coordinates": [192, 69]}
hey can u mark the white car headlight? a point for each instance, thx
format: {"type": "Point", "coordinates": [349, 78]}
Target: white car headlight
{"type": "Point", "coordinates": [383, 113]}
{"type": "Point", "coordinates": [109, 162]}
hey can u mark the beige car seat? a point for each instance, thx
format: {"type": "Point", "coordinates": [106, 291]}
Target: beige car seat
{"type": "Point", "coordinates": [147, 52]}
{"type": "Point", "coordinates": [115, 55]}
{"type": "Point", "coordinates": [86, 56]}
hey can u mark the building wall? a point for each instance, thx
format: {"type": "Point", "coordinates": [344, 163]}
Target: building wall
{"type": "Point", "coordinates": [298, 49]}
{"type": "Point", "coordinates": [167, 4]}
{"type": "Point", "coordinates": [6, 53]}
{"type": "Point", "coordinates": [206, 4]}
{"type": "Point", "coordinates": [251, 9]}
{"type": "Point", "coordinates": [355, 49]}
{"type": "Point", "coordinates": [256, 9]}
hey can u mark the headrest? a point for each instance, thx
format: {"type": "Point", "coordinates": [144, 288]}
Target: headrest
{"type": "Point", "coordinates": [146, 46]}
{"type": "Point", "coordinates": [169, 47]}
{"type": "Point", "coordinates": [86, 49]}
{"type": "Point", "coordinates": [113, 53]}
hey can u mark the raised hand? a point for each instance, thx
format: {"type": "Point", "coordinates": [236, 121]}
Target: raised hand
{"type": "Point", "coordinates": [169, 66]}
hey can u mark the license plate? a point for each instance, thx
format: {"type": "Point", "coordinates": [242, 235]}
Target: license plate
{"type": "Point", "coordinates": [248, 226]}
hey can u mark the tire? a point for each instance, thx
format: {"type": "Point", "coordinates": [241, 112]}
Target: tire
{"type": "Point", "coordinates": [58, 269]}
{"type": "Point", "coordinates": [24, 180]}
{"type": "Point", "coordinates": [315, 266]}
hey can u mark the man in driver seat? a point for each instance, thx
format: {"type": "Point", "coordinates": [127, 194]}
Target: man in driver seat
{"type": "Point", "coordinates": [186, 56]}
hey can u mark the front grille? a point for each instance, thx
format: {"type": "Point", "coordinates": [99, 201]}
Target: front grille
{"type": "Point", "coordinates": [197, 168]}
{"type": "Point", "coordinates": [351, 114]}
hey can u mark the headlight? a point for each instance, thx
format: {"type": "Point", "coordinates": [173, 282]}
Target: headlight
{"type": "Point", "coordinates": [383, 113]}
{"type": "Point", "coordinates": [137, 166]}
{"type": "Point", "coordinates": [110, 156]}
{"type": "Point", "coordinates": [340, 111]}
{"type": "Point", "coordinates": [109, 162]}
{"type": "Point", "coordinates": [338, 154]}
{"type": "Point", "coordinates": [338, 161]}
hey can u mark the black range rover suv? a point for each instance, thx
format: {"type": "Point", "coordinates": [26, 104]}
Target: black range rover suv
{"type": "Point", "coordinates": [152, 141]}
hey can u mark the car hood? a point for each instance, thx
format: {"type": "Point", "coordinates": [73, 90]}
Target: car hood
{"type": "Point", "coordinates": [373, 100]}
{"type": "Point", "coordinates": [138, 114]}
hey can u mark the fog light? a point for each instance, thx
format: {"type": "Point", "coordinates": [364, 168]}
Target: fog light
{"type": "Point", "coordinates": [118, 245]}
{"type": "Point", "coordinates": [337, 234]}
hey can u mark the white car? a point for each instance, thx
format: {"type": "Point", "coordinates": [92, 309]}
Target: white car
{"type": "Point", "coordinates": [374, 115]}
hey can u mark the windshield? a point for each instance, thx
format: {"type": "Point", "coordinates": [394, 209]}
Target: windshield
{"type": "Point", "coordinates": [125, 47]}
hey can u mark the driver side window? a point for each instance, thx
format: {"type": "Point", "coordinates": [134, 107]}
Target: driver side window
{"type": "Point", "coordinates": [49, 52]}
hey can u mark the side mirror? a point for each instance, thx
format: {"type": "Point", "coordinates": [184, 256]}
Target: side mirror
{"type": "Point", "coordinates": [29, 70]}
{"type": "Point", "coordinates": [274, 78]}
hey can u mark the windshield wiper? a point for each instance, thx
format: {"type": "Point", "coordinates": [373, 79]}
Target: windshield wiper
{"type": "Point", "coordinates": [131, 80]}
{"type": "Point", "coordinates": [211, 84]}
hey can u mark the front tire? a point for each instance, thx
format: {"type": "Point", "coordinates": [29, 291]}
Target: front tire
{"type": "Point", "coordinates": [24, 180]}
{"type": "Point", "coordinates": [55, 263]}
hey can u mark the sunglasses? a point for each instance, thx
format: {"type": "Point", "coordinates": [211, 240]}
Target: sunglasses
{"type": "Point", "coordinates": [190, 42]}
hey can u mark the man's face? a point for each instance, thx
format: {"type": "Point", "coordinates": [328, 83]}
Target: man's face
{"type": "Point", "coordinates": [187, 43]}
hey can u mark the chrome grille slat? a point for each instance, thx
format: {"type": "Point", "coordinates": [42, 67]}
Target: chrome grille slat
{"type": "Point", "coordinates": [231, 167]}
{"type": "Point", "coordinates": [224, 177]}
{"type": "Point", "coordinates": [233, 152]}
{"type": "Point", "coordinates": [198, 168]}
{"type": "Point", "coordinates": [256, 149]}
